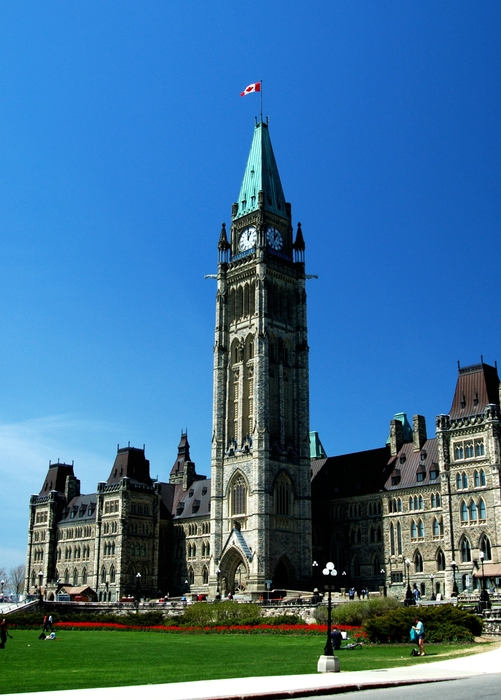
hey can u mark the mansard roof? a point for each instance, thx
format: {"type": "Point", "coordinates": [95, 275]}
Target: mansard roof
{"type": "Point", "coordinates": [56, 478]}
{"type": "Point", "coordinates": [130, 462]}
{"type": "Point", "coordinates": [81, 509]}
{"type": "Point", "coordinates": [261, 175]}
{"type": "Point", "coordinates": [193, 502]}
{"type": "Point", "coordinates": [355, 474]}
{"type": "Point", "coordinates": [405, 465]}
{"type": "Point", "coordinates": [477, 386]}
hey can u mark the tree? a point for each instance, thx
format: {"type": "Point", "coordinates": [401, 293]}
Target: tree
{"type": "Point", "coordinates": [4, 578]}
{"type": "Point", "coordinates": [17, 578]}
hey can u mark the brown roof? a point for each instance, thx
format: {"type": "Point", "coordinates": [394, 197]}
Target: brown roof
{"type": "Point", "coordinates": [407, 463]}
{"type": "Point", "coordinates": [490, 570]}
{"type": "Point", "coordinates": [56, 478]}
{"type": "Point", "coordinates": [130, 462]}
{"type": "Point", "coordinates": [477, 386]}
{"type": "Point", "coordinates": [353, 474]}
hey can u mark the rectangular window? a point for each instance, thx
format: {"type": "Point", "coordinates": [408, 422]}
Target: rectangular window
{"type": "Point", "coordinates": [397, 577]}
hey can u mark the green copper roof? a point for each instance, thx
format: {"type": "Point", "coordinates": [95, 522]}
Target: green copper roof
{"type": "Point", "coordinates": [261, 173]}
{"type": "Point", "coordinates": [316, 448]}
{"type": "Point", "coordinates": [406, 427]}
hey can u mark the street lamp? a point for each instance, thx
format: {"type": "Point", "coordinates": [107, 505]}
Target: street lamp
{"type": "Point", "coordinates": [316, 594]}
{"type": "Point", "coordinates": [218, 574]}
{"type": "Point", "coordinates": [409, 600]}
{"type": "Point", "coordinates": [433, 596]}
{"type": "Point", "coordinates": [328, 663]}
{"type": "Point", "coordinates": [485, 602]}
{"type": "Point", "coordinates": [383, 581]}
{"type": "Point", "coordinates": [138, 590]}
{"type": "Point", "coordinates": [455, 591]}
{"type": "Point", "coordinates": [40, 595]}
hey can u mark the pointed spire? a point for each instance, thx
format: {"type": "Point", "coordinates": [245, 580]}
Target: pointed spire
{"type": "Point", "coordinates": [299, 242]}
{"type": "Point", "coordinates": [223, 239]}
{"type": "Point", "coordinates": [261, 176]}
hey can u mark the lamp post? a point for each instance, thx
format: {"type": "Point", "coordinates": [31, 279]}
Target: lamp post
{"type": "Point", "coordinates": [383, 581]}
{"type": "Point", "coordinates": [40, 594]}
{"type": "Point", "coordinates": [344, 582]}
{"type": "Point", "coordinates": [485, 602]}
{"type": "Point", "coordinates": [433, 596]}
{"type": "Point", "coordinates": [138, 590]}
{"type": "Point", "coordinates": [218, 574]}
{"type": "Point", "coordinates": [409, 600]}
{"type": "Point", "coordinates": [316, 594]}
{"type": "Point", "coordinates": [455, 591]}
{"type": "Point", "coordinates": [328, 663]}
{"type": "Point", "coordinates": [2, 583]}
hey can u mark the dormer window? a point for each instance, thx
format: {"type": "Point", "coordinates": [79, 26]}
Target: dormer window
{"type": "Point", "coordinates": [180, 508]}
{"type": "Point", "coordinates": [434, 470]}
{"type": "Point", "coordinates": [423, 455]}
{"type": "Point", "coordinates": [191, 492]}
{"type": "Point", "coordinates": [402, 458]}
{"type": "Point", "coordinates": [204, 491]}
{"type": "Point", "coordinates": [463, 401]}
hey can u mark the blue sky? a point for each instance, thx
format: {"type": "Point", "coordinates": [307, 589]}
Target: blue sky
{"type": "Point", "coordinates": [123, 141]}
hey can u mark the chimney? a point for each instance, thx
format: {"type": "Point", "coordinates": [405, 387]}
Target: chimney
{"type": "Point", "coordinates": [71, 488]}
{"type": "Point", "coordinates": [396, 436]}
{"type": "Point", "coordinates": [418, 432]}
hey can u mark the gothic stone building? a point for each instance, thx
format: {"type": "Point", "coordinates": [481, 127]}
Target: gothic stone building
{"type": "Point", "coordinates": [420, 510]}
{"type": "Point", "coordinates": [404, 510]}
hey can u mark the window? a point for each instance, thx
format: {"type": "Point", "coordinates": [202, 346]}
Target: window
{"type": "Point", "coordinates": [434, 470]}
{"type": "Point", "coordinates": [397, 577]}
{"type": "Point", "coordinates": [420, 530]}
{"type": "Point", "coordinates": [413, 530]}
{"type": "Point", "coordinates": [436, 528]}
{"type": "Point", "coordinates": [84, 576]}
{"type": "Point", "coordinates": [205, 575]}
{"type": "Point", "coordinates": [418, 562]}
{"type": "Point", "coordinates": [464, 479]}
{"type": "Point", "coordinates": [479, 448]}
{"type": "Point", "coordinates": [482, 477]}
{"type": "Point", "coordinates": [476, 478]}
{"type": "Point", "coordinates": [468, 450]}
{"type": "Point", "coordinates": [481, 510]}
{"type": "Point", "coordinates": [411, 503]}
{"type": "Point", "coordinates": [421, 503]}
{"type": "Point", "coordinates": [473, 511]}
{"type": "Point", "coordinates": [399, 539]}
{"type": "Point", "coordinates": [283, 496]}
{"type": "Point", "coordinates": [464, 512]}
{"type": "Point", "coordinates": [465, 550]}
{"type": "Point", "coordinates": [239, 496]}
{"type": "Point", "coordinates": [432, 500]}
{"type": "Point", "coordinates": [485, 547]}
{"type": "Point", "coordinates": [440, 560]}
{"type": "Point", "coordinates": [392, 539]}
{"type": "Point", "coordinates": [458, 451]}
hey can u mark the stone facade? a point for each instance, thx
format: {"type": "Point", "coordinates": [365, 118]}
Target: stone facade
{"type": "Point", "coordinates": [415, 511]}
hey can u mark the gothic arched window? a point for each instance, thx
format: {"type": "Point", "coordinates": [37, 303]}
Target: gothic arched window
{"type": "Point", "coordinates": [485, 547]}
{"type": "Point", "coordinates": [465, 549]}
{"type": "Point", "coordinates": [238, 495]}
{"type": "Point", "coordinates": [440, 559]}
{"type": "Point", "coordinates": [283, 495]}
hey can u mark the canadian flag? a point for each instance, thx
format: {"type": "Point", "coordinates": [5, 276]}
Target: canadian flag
{"type": "Point", "coordinates": [253, 87]}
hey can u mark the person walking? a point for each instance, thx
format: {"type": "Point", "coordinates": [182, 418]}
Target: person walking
{"type": "Point", "coordinates": [3, 633]}
{"type": "Point", "coordinates": [418, 628]}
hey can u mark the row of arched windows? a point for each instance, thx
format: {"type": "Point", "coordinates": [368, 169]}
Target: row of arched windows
{"type": "Point", "coordinates": [415, 503]}
{"type": "Point", "coordinates": [478, 479]}
{"type": "Point", "coordinates": [75, 552]}
{"type": "Point", "coordinates": [472, 512]}
{"type": "Point", "coordinates": [191, 575]}
{"type": "Point", "coordinates": [241, 302]}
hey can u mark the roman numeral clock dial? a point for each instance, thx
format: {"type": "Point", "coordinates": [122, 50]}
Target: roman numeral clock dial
{"type": "Point", "coordinates": [274, 238]}
{"type": "Point", "coordinates": [247, 238]}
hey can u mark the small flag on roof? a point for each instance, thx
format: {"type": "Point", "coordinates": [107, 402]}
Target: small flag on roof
{"type": "Point", "coordinates": [253, 87]}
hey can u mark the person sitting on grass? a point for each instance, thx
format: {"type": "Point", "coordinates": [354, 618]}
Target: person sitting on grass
{"type": "Point", "coordinates": [418, 627]}
{"type": "Point", "coordinates": [336, 638]}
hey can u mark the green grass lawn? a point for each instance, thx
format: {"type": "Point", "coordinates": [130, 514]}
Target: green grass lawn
{"type": "Point", "coordinates": [78, 659]}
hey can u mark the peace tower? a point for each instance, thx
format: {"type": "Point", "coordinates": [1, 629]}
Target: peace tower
{"type": "Point", "coordinates": [260, 469]}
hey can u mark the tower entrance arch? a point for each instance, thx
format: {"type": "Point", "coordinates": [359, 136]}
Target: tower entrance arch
{"type": "Point", "coordinates": [234, 573]}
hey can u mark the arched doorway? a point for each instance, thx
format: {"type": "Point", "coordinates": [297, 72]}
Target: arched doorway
{"type": "Point", "coordinates": [281, 577]}
{"type": "Point", "coordinates": [234, 573]}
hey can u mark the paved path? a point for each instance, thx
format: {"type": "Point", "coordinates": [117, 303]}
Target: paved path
{"type": "Point", "coordinates": [276, 687]}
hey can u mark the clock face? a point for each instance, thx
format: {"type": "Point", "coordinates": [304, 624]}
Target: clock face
{"type": "Point", "coordinates": [248, 238]}
{"type": "Point", "coordinates": [274, 238]}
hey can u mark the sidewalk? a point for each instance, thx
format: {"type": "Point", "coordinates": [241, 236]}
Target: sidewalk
{"type": "Point", "coordinates": [276, 687]}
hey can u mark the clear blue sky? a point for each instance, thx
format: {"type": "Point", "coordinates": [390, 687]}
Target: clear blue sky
{"type": "Point", "coordinates": [123, 144]}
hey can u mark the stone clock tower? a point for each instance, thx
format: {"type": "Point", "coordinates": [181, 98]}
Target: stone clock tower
{"type": "Point", "coordinates": [260, 503]}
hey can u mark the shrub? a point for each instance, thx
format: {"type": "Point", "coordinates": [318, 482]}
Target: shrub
{"type": "Point", "coordinates": [356, 613]}
{"type": "Point", "coordinates": [444, 623]}
{"type": "Point", "coordinates": [224, 613]}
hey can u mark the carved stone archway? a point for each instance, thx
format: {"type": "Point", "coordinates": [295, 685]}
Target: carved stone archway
{"type": "Point", "coordinates": [234, 572]}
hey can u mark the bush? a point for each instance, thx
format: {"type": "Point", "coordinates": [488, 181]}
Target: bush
{"type": "Point", "coordinates": [224, 613]}
{"type": "Point", "coordinates": [356, 613]}
{"type": "Point", "coordinates": [444, 623]}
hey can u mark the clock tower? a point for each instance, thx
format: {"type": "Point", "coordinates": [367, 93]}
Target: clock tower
{"type": "Point", "coordinates": [260, 481]}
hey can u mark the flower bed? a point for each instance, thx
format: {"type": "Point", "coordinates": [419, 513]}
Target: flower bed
{"type": "Point", "coordinates": [353, 632]}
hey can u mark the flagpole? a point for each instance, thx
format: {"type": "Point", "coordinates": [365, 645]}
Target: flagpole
{"type": "Point", "coordinates": [261, 94]}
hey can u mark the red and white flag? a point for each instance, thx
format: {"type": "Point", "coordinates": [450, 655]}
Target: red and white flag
{"type": "Point", "coordinates": [253, 87]}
